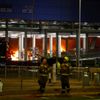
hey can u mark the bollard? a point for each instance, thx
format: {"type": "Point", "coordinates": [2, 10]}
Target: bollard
{"type": "Point", "coordinates": [49, 77]}
{"type": "Point", "coordinates": [96, 79]}
{"type": "Point", "coordinates": [85, 79]}
{"type": "Point", "coordinates": [1, 86]}
{"type": "Point", "coordinates": [54, 73]}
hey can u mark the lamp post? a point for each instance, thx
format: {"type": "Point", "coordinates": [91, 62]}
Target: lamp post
{"type": "Point", "coordinates": [78, 37]}
{"type": "Point", "coordinates": [79, 32]}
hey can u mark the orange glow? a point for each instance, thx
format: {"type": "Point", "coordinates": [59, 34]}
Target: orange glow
{"type": "Point", "coordinates": [14, 56]}
{"type": "Point", "coordinates": [63, 49]}
{"type": "Point", "coordinates": [48, 51]}
{"type": "Point", "coordinates": [29, 53]}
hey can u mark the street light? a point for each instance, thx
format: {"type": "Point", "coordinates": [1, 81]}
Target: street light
{"type": "Point", "coordinates": [78, 37]}
{"type": "Point", "coordinates": [79, 32]}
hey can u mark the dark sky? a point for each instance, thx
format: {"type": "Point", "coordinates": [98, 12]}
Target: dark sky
{"type": "Point", "coordinates": [63, 10]}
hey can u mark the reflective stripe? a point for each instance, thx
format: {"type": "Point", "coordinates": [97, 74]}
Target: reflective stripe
{"type": "Point", "coordinates": [65, 74]}
{"type": "Point", "coordinates": [43, 75]}
{"type": "Point", "coordinates": [68, 88]}
{"type": "Point", "coordinates": [63, 89]}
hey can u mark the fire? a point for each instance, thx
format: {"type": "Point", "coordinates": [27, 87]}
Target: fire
{"type": "Point", "coordinates": [63, 49]}
{"type": "Point", "coordinates": [48, 51]}
{"type": "Point", "coordinates": [14, 56]}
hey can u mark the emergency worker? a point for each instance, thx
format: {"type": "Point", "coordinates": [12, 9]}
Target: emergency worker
{"type": "Point", "coordinates": [43, 74]}
{"type": "Point", "coordinates": [65, 72]}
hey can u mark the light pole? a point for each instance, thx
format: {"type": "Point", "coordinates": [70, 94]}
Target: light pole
{"type": "Point", "coordinates": [79, 32]}
{"type": "Point", "coordinates": [78, 37]}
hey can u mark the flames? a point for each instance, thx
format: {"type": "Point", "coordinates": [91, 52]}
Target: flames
{"type": "Point", "coordinates": [63, 49]}
{"type": "Point", "coordinates": [14, 56]}
{"type": "Point", "coordinates": [15, 53]}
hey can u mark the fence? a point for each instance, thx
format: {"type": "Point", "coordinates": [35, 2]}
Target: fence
{"type": "Point", "coordinates": [23, 76]}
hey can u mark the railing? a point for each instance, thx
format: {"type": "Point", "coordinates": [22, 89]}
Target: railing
{"type": "Point", "coordinates": [14, 71]}
{"type": "Point", "coordinates": [25, 77]}
{"type": "Point", "coordinates": [31, 72]}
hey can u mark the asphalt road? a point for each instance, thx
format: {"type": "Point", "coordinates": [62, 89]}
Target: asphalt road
{"type": "Point", "coordinates": [30, 97]}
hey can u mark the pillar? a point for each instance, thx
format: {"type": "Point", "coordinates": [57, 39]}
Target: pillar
{"type": "Point", "coordinates": [59, 46]}
{"type": "Point", "coordinates": [84, 43]}
{"type": "Point", "coordinates": [21, 46]}
{"type": "Point", "coordinates": [45, 44]}
{"type": "Point", "coordinates": [25, 46]}
{"type": "Point", "coordinates": [51, 49]}
{"type": "Point", "coordinates": [87, 44]}
{"type": "Point", "coordinates": [34, 41]}
{"type": "Point", "coordinates": [33, 44]}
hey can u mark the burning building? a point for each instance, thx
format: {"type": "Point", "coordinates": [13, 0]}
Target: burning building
{"type": "Point", "coordinates": [36, 43]}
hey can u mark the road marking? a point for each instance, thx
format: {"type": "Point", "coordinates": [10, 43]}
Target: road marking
{"type": "Point", "coordinates": [90, 97]}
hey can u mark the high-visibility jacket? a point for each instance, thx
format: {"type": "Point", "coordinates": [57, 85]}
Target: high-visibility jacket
{"type": "Point", "coordinates": [65, 69]}
{"type": "Point", "coordinates": [58, 67]}
{"type": "Point", "coordinates": [43, 70]}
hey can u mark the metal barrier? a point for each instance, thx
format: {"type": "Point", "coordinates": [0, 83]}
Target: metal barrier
{"type": "Point", "coordinates": [13, 71]}
{"type": "Point", "coordinates": [23, 75]}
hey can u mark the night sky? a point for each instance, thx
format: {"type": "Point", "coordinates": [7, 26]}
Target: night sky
{"type": "Point", "coordinates": [62, 10]}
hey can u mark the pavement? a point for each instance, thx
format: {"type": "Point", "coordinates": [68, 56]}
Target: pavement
{"type": "Point", "coordinates": [27, 87]}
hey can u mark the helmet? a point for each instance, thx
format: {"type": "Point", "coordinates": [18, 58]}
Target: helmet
{"type": "Point", "coordinates": [66, 58]}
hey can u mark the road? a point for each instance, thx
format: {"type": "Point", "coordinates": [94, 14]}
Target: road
{"type": "Point", "coordinates": [31, 97]}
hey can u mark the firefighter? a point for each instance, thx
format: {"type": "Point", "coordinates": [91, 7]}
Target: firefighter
{"type": "Point", "coordinates": [65, 72]}
{"type": "Point", "coordinates": [58, 69]}
{"type": "Point", "coordinates": [43, 75]}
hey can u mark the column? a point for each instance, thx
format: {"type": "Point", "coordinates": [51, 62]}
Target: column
{"type": "Point", "coordinates": [59, 46]}
{"type": "Point", "coordinates": [33, 44]}
{"type": "Point", "coordinates": [25, 46]}
{"type": "Point", "coordinates": [21, 46]}
{"type": "Point", "coordinates": [45, 45]}
{"type": "Point", "coordinates": [51, 41]}
{"type": "Point", "coordinates": [77, 49]}
{"type": "Point", "coordinates": [84, 43]}
{"type": "Point", "coordinates": [66, 44]}
{"type": "Point", "coordinates": [34, 41]}
{"type": "Point", "coordinates": [87, 44]}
